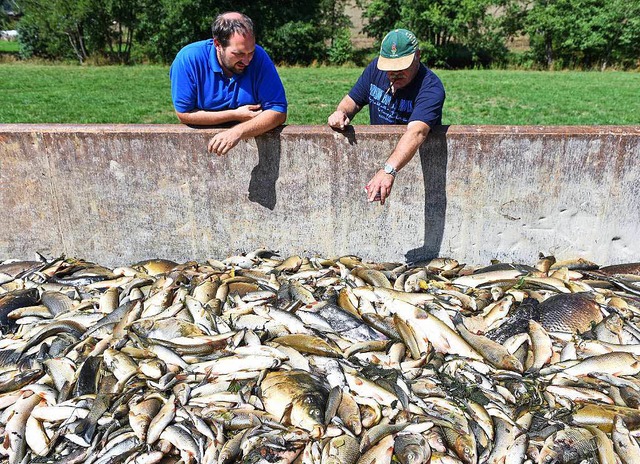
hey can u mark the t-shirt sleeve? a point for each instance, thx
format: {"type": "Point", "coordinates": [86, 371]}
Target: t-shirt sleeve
{"type": "Point", "coordinates": [183, 83]}
{"type": "Point", "coordinates": [429, 102]}
{"type": "Point", "coordinates": [360, 91]}
{"type": "Point", "coordinates": [270, 91]}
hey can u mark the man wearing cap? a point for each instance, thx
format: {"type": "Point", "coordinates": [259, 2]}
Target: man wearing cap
{"type": "Point", "coordinates": [228, 79]}
{"type": "Point", "coordinates": [399, 90]}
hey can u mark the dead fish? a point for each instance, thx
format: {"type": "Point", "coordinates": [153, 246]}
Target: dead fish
{"type": "Point", "coordinates": [412, 448]}
{"type": "Point", "coordinates": [298, 397]}
{"type": "Point", "coordinates": [155, 267]}
{"type": "Point", "coordinates": [494, 353]}
{"type": "Point", "coordinates": [341, 450]}
{"type": "Point", "coordinates": [166, 329]}
{"type": "Point", "coordinates": [616, 363]}
{"type": "Point", "coordinates": [495, 273]}
{"type": "Point", "coordinates": [291, 264]}
{"type": "Point", "coordinates": [569, 446]}
{"type": "Point", "coordinates": [13, 300]}
{"type": "Point", "coordinates": [625, 445]}
{"type": "Point", "coordinates": [10, 270]}
{"type": "Point", "coordinates": [372, 277]}
{"type": "Point", "coordinates": [579, 264]}
{"type": "Point", "coordinates": [309, 344]}
{"type": "Point", "coordinates": [571, 313]}
{"type": "Point", "coordinates": [627, 268]}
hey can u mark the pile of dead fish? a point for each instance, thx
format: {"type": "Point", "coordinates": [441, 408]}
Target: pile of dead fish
{"type": "Point", "coordinates": [261, 359]}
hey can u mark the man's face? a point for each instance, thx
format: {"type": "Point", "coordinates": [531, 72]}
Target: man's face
{"type": "Point", "coordinates": [402, 78]}
{"type": "Point", "coordinates": [236, 56]}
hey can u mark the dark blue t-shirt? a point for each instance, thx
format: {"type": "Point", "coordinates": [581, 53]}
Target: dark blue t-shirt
{"type": "Point", "coordinates": [197, 81]}
{"type": "Point", "coordinates": [421, 100]}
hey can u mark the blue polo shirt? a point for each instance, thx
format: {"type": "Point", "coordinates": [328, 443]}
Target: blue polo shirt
{"type": "Point", "coordinates": [197, 81]}
{"type": "Point", "coordinates": [421, 100]}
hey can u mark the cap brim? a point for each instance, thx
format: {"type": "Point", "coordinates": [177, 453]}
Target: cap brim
{"type": "Point", "coordinates": [395, 64]}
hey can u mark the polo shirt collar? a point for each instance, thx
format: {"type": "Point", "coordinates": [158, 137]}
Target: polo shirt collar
{"type": "Point", "coordinates": [215, 66]}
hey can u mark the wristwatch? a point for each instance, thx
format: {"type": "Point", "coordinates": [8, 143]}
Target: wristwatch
{"type": "Point", "coordinates": [390, 169]}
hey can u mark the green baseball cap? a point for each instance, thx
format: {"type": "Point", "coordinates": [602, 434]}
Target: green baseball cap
{"type": "Point", "coordinates": [397, 50]}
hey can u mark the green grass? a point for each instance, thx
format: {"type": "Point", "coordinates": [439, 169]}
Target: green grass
{"type": "Point", "coordinates": [33, 93]}
{"type": "Point", "coordinates": [7, 46]}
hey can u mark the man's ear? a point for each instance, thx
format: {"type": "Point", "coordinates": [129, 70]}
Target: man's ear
{"type": "Point", "coordinates": [216, 43]}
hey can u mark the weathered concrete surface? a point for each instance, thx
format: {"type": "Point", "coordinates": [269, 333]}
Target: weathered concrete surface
{"type": "Point", "coordinates": [119, 194]}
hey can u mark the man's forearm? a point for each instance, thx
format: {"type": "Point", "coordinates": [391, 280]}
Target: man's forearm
{"type": "Point", "coordinates": [207, 118]}
{"type": "Point", "coordinates": [348, 106]}
{"type": "Point", "coordinates": [408, 144]}
{"type": "Point", "coordinates": [264, 122]}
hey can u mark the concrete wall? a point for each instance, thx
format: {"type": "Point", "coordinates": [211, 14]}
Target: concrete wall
{"type": "Point", "coordinates": [119, 194]}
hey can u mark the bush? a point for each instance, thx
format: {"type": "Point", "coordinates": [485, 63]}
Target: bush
{"type": "Point", "coordinates": [341, 51]}
{"type": "Point", "coordinates": [38, 41]}
{"type": "Point", "coordinates": [295, 42]}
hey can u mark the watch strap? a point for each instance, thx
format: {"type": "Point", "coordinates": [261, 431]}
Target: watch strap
{"type": "Point", "coordinates": [390, 169]}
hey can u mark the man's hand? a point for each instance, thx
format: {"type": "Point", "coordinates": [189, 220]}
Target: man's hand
{"type": "Point", "coordinates": [222, 142]}
{"type": "Point", "coordinates": [381, 184]}
{"type": "Point", "coordinates": [247, 112]}
{"type": "Point", "coordinates": [338, 120]}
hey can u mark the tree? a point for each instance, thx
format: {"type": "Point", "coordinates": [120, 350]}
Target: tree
{"type": "Point", "coordinates": [453, 33]}
{"type": "Point", "coordinates": [584, 33]}
{"type": "Point", "coordinates": [54, 28]}
{"type": "Point", "coordinates": [292, 31]}
{"type": "Point", "coordinates": [80, 28]}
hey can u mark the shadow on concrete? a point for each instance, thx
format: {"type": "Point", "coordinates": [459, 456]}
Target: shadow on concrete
{"type": "Point", "coordinates": [433, 158]}
{"type": "Point", "coordinates": [350, 134]}
{"type": "Point", "coordinates": [262, 186]}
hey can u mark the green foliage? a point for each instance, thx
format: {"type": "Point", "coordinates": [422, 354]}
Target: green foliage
{"type": "Point", "coordinates": [382, 16]}
{"type": "Point", "coordinates": [296, 43]}
{"type": "Point", "coordinates": [587, 34]}
{"type": "Point", "coordinates": [167, 25]}
{"type": "Point", "coordinates": [61, 29]}
{"type": "Point", "coordinates": [291, 31]}
{"type": "Point", "coordinates": [6, 6]}
{"type": "Point", "coordinates": [453, 33]}
{"type": "Point", "coordinates": [341, 51]}
{"type": "Point", "coordinates": [584, 33]}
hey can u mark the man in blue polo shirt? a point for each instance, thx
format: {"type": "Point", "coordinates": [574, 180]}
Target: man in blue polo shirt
{"type": "Point", "coordinates": [228, 79]}
{"type": "Point", "coordinates": [399, 90]}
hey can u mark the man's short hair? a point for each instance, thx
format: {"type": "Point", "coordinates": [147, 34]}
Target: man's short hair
{"type": "Point", "coordinates": [224, 27]}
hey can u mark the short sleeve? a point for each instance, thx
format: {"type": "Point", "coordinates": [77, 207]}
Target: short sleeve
{"type": "Point", "coordinates": [270, 90]}
{"type": "Point", "coordinates": [429, 102]}
{"type": "Point", "coordinates": [183, 83]}
{"type": "Point", "coordinates": [360, 91]}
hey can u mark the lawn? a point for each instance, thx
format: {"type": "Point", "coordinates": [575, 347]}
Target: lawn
{"type": "Point", "coordinates": [140, 94]}
{"type": "Point", "coordinates": [9, 46]}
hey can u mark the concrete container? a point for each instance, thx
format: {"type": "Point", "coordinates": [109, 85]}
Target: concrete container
{"type": "Point", "coordinates": [120, 194]}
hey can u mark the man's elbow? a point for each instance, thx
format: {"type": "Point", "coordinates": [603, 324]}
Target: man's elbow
{"type": "Point", "coordinates": [418, 129]}
{"type": "Point", "coordinates": [280, 118]}
{"type": "Point", "coordinates": [184, 118]}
